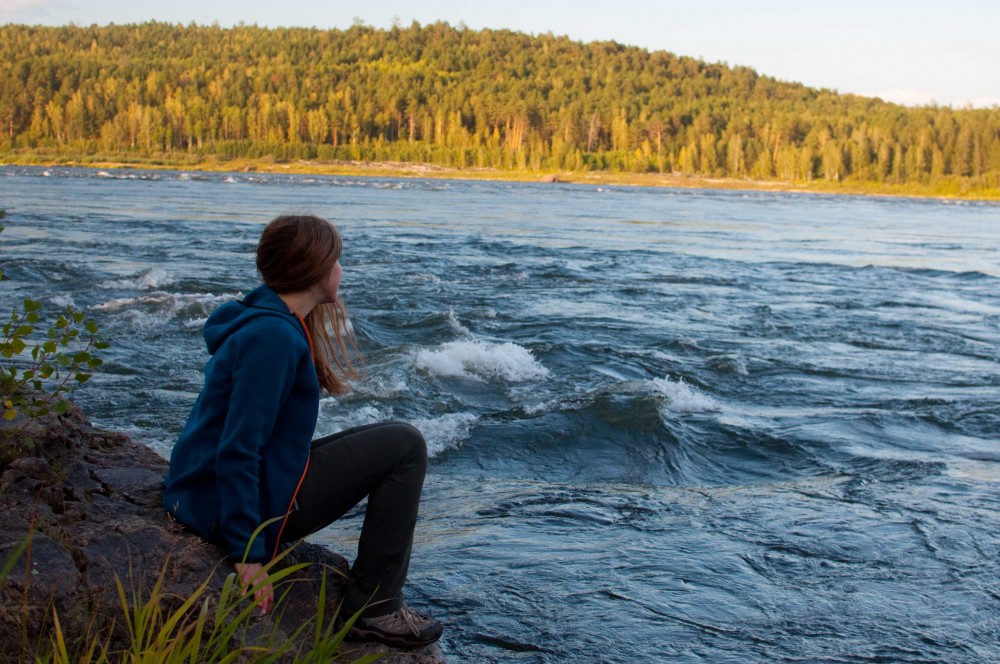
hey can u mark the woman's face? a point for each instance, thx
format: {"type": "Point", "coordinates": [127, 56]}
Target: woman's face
{"type": "Point", "coordinates": [328, 287]}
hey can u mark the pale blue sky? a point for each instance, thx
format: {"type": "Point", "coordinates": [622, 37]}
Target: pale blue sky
{"type": "Point", "coordinates": [908, 51]}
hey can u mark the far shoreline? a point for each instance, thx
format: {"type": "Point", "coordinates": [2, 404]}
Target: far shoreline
{"type": "Point", "coordinates": [433, 171]}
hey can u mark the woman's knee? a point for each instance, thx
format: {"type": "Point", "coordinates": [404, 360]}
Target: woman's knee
{"type": "Point", "coordinates": [410, 440]}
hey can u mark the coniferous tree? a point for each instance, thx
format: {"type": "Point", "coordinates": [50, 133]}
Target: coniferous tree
{"type": "Point", "coordinates": [459, 97]}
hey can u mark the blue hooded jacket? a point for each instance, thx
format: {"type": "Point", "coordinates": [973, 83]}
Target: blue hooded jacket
{"type": "Point", "coordinates": [240, 458]}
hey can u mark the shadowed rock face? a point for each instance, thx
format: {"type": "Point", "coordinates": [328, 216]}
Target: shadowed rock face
{"type": "Point", "coordinates": [91, 501]}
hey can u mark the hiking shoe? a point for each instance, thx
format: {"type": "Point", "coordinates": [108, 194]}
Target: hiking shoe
{"type": "Point", "coordinates": [404, 627]}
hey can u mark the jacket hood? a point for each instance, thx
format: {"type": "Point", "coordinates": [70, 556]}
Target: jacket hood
{"type": "Point", "coordinates": [230, 317]}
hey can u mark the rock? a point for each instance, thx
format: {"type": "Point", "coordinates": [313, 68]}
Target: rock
{"type": "Point", "coordinates": [90, 500]}
{"type": "Point", "coordinates": [550, 179]}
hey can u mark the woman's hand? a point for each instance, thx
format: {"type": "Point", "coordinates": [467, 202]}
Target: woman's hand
{"type": "Point", "coordinates": [253, 574]}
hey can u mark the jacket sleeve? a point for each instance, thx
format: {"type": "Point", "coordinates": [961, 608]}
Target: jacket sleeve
{"type": "Point", "coordinates": [263, 374]}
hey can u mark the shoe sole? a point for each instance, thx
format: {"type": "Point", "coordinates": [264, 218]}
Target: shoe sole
{"type": "Point", "coordinates": [361, 634]}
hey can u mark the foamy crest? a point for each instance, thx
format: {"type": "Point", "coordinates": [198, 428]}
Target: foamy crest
{"type": "Point", "coordinates": [440, 433]}
{"type": "Point", "coordinates": [682, 398]}
{"type": "Point", "coordinates": [383, 387]}
{"type": "Point", "coordinates": [456, 324]}
{"type": "Point", "coordinates": [151, 279]}
{"type": "Point", "coordinates": [542, 407]}
{"type": "Point", "coordinates": [342, 420]}
{"type": "Point", "coordinates": [148, 311]}
{"type": "Point", "coordinates": [445, 432]}
{"type": "Point", "coordinates": [468, 359]}
{"type": "Point", "coordinates": [62, 300]}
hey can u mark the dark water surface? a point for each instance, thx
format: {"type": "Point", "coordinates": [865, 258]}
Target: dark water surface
{"type": "Point", "coordinates": [666, 425]}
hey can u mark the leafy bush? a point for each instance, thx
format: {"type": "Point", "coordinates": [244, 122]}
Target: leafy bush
{"type": "Point", "coordinates": [58, 362]}
{"type": "Point", "coordinates": [36, 372]}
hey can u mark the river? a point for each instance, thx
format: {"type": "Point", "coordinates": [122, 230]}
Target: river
{"type": "Point", "coordinates": [665, 425]}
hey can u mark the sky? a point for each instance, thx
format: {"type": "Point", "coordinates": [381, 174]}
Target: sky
{"type": "Point", "coordinates": [911, 52]}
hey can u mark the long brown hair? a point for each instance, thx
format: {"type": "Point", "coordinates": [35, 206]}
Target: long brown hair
{"type": "Point", "coordinates": [296, 252]}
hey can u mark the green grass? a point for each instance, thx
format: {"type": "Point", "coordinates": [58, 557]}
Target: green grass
{"type": "Point", "coordinates": [198, 629]}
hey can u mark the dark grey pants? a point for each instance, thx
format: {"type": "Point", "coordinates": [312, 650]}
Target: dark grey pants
{"type": "Point", "coordinates": [385, 462]}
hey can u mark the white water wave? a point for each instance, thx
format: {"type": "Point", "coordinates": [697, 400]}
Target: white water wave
{"type": "Point", "coordinates": [441, 433]}
{"type": "Point", "coordinates": [546, 406]}
{"type": "Point", "coordinates": [153, 309]}
{"type": "Point", "coordinates": [682, 398]}
{"type": "Point", "coordinates": [334, 418]}
{"type": "Point", "coordinates": [127, 176]}
{"type": "Point", "coordinates": [152, 279]}
{"type": "Point", "coordinates": [479, 359]}
{"type": "Point", "coordinates": [456, 325]}
{"type": "Point", "coordinates": [383, 387]}
{"type": "Point", "coordinates": [445, 432]}
{"type": "Point", "coordinates": [63, 300]}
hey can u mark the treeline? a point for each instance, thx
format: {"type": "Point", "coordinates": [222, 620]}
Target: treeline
{"type": "Point", "coordinates": [461, 97]}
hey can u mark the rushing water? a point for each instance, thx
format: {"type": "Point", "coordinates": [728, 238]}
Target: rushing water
{"type": "Point", "coordinates": [674, 425]}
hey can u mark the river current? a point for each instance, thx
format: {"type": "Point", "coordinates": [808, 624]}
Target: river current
{"type": "Point", "coordinates": [665, 425]}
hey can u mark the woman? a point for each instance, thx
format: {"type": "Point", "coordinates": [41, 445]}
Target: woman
{"type": "Point", "coordinates": [245, 457]}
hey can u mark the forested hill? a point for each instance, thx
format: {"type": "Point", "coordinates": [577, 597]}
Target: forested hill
{"type": "Point", "coordinates": [460, 97]}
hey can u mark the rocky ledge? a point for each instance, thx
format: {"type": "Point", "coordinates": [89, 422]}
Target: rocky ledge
{"type": "Point", "coordinates": [90, 500]}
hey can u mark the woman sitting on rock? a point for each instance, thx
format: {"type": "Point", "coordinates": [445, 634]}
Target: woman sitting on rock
{"type": "Point", "coordinates": [245, 456]}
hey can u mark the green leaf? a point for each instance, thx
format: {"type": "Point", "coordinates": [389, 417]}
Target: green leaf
{"type": "Point", "coordinates": [83, 377]}
{"type": "Point", "coordinates": [32, 317]}
{"type": "Point", "coordinates": [101, 345]}
{"type": "Point", "coordinates": [90, 326]}
{"type": "Point", "coordinates": [31, 305]}
{"type": "Point", "coordinates": [24, 330]}
{"type": "Point", "coordinates": [18, 345]}
{"type": "Point", "coordinates": [9, 414]}
{"type": "Point", "coordinates": [61, 322]}
{"type": "Point", "coordinates": [50, 346]}
{"type": "Point", "coordinates": [60, 407]}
